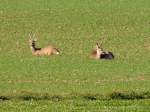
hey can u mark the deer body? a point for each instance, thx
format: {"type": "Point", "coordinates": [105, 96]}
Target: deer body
{"type": "Point", "coordinates": [107, 55]}
{"type": "Point", "coordinates": [49, 50]}
{"type": "Point", "coordinates": [45, 51]}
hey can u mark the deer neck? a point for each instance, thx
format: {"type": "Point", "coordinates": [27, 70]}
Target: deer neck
{"type": "Point", "coordinates": [33, 48]}
{"type": "Point", "coordinates": [99, 52]}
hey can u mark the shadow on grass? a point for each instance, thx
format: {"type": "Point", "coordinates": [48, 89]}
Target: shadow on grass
{"type": "Point", "coordinates": [129, 95]}
{"type": "Point", "coordinates": [27, 96]}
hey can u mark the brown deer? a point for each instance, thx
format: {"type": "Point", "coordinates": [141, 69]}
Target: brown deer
{"type": "Point", "coordinates": [96, 52]}
{"type": "Point", "coordinates": [99, 53]}
{"type": "Point", "coordinates": [49, 50]}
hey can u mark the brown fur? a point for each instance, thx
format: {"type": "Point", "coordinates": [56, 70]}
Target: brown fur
{"type": "Point", "coordinates": [96, 52]}
{"type": "Point", "coordinates": [49, 50]}
{"type": "Point", "coordinates": [46, 51]}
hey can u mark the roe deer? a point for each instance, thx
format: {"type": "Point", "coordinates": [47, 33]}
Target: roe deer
{"type": "Point", "coordinates": [49, 50]}
{"type": "Point", "coordinates": [99, 53]}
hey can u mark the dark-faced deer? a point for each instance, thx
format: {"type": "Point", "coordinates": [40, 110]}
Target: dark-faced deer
{"type": "Point", "coordinates": [99, 53]}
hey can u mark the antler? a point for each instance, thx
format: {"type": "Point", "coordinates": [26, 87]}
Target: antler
{"type": "Point", "coordinates": [32, 36]}
{"type": "Point", "coordinates": [35, 39]}
{"type": "Point", "coordinates": [97, 46]}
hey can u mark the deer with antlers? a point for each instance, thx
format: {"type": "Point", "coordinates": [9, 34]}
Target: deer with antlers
{"type": "Point", "coordinates": [49, 50]}
{"type": "Point", "coordinates": [99, 53]}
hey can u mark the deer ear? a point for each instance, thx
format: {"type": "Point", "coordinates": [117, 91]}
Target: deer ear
{"type": "Point", "coordinates": [29, 36]}
{"type": "Point", "coordinates": [97, 46]}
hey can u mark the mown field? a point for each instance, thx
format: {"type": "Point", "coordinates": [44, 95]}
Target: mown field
{"type": "Point", "coordinates": [72, 81]}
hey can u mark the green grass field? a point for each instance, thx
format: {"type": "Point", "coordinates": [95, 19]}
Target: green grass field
{"type": "Point", "coordinates": [72, 81]}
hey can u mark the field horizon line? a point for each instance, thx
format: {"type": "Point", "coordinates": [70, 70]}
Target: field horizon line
{"type": "Point", "coordinates": [115, 95]}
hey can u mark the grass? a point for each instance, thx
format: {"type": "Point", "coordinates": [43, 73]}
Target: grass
{"type": "Point", "coordinates": [74, 26]}
{"type": "Point", "coordinates": [116, 101]}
